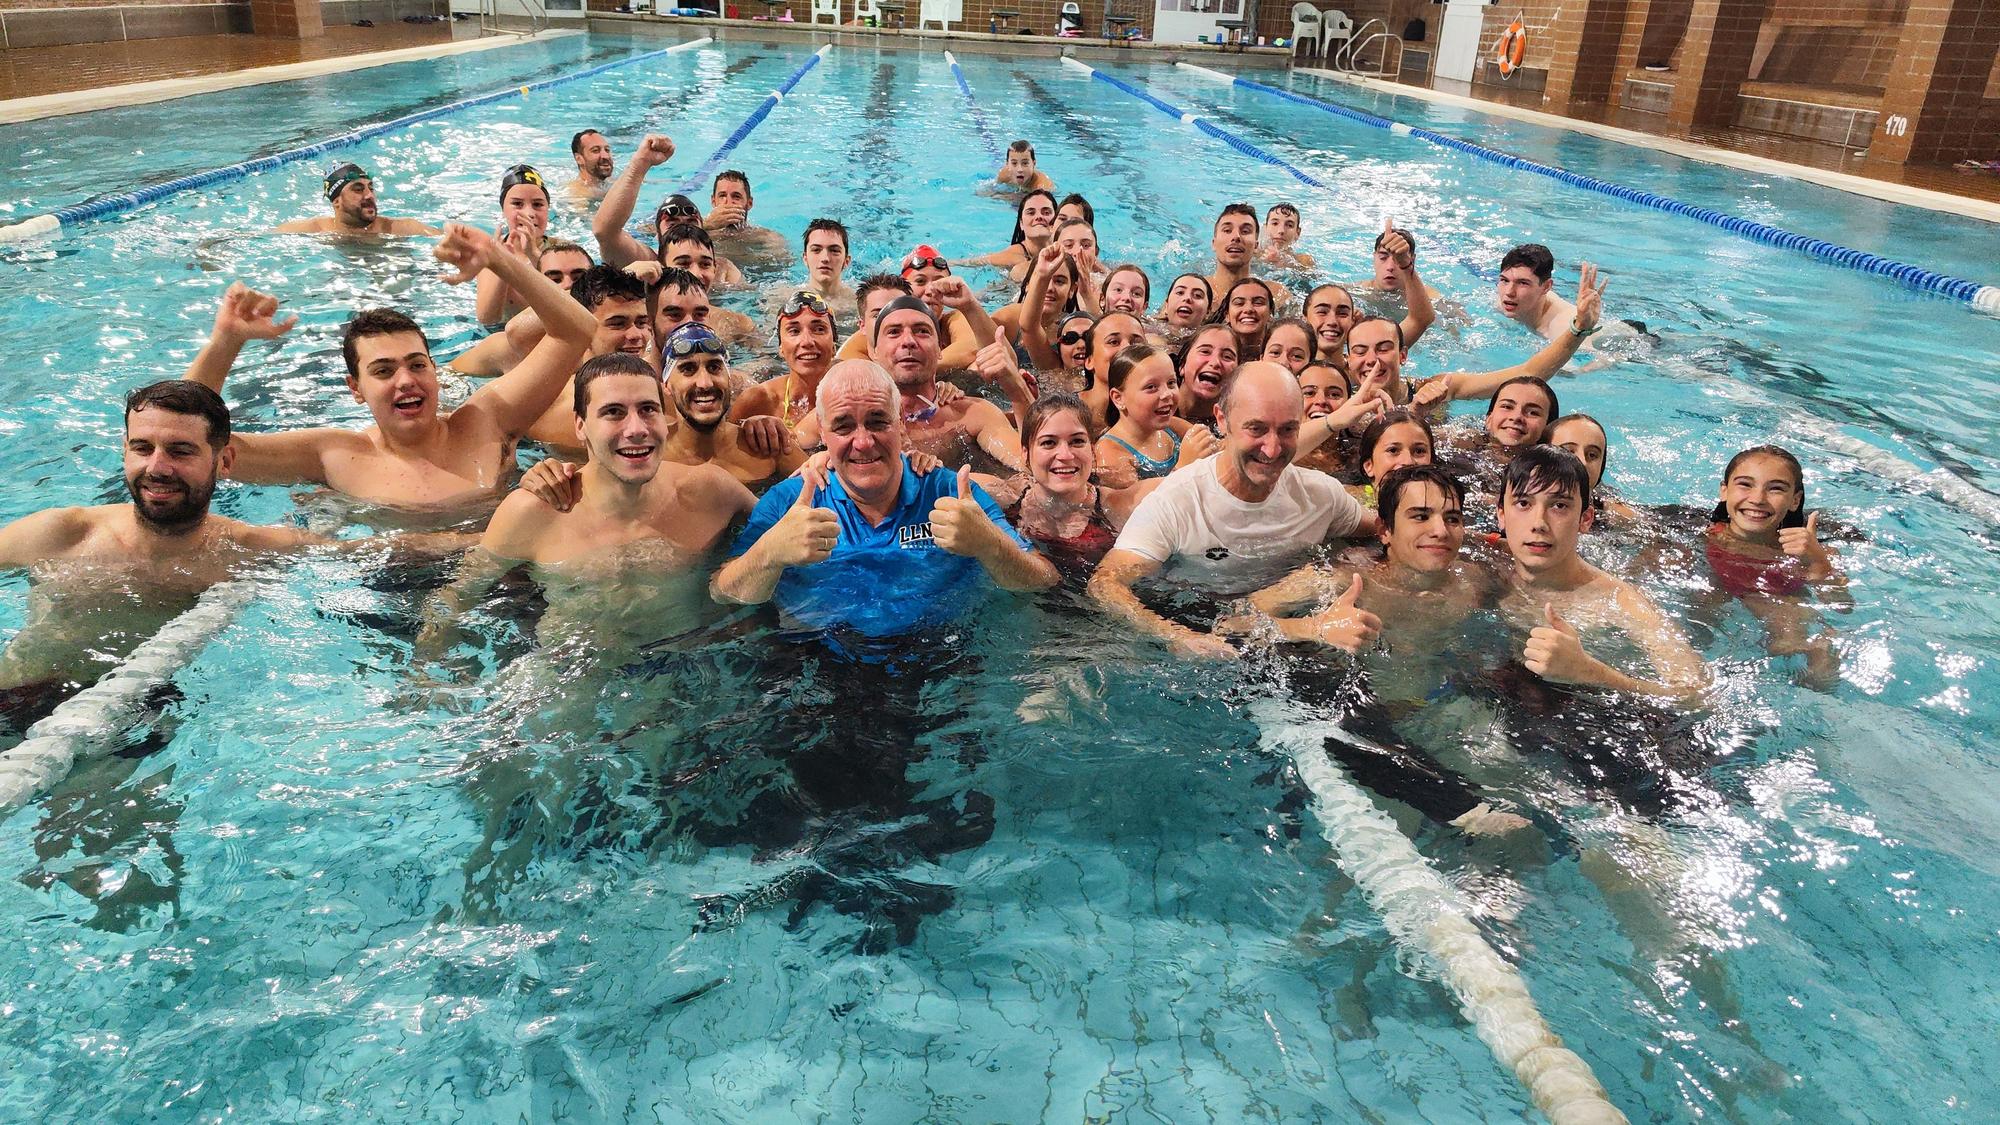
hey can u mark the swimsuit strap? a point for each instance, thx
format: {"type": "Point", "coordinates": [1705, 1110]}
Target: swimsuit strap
{"type": "Point", "coordinates": [1150, 466]}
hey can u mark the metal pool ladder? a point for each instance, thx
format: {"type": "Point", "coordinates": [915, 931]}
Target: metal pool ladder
{"type": "Point", "coordinates": [1347, 56]}
{"type": "Point", "coordinates": [491, 13]}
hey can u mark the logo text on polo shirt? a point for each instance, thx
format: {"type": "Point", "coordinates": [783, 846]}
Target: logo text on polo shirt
{"type": "Point", "coordinates": [914, 535]}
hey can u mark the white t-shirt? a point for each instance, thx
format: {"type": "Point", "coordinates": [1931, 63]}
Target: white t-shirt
{"type": "Point", "coordinates": [1203, 536]}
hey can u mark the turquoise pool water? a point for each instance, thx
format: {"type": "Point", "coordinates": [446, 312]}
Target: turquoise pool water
{"type": "Point", "coordinates": [1144, 926]}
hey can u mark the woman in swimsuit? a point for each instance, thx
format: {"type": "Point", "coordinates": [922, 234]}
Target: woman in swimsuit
{"type": "Point", "coordinates": [1034, 225]}
{"type": "Point", "coordinates": [1146, 440]}
{"type": "Point", "coordinates": [1061, 508]}
{"type": "Point", "coordinates": [1291, 342]}
{"type": "Point", "coordinates": [1765, 551]}
{"type": "Point", "coordinates": [1207, 362]}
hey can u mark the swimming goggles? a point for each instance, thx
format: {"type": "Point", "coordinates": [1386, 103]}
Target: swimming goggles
{"type": "Point", "coordinates": [801, 301]}
{"type": "Point", "coordinates": [695, 337]}
{"type": "Point", "coordinates": [1071, 337]}
{"type": "Point", "coordinates": [934, 262]}
{"type": "Point", "coordinates": [678, 208]}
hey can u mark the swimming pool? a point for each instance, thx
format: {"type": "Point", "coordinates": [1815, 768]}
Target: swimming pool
{"type": "Point", "coordinates": [1146, 927]}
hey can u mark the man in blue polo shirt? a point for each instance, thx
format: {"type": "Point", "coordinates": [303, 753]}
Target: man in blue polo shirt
{"type": "Point", "coordinates": [872, 546]}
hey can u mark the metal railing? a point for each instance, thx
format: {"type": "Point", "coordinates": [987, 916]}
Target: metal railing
{"type": "Point", "coordinates": [1348, 56]}
{"type": "Point", "coordinates": [496, 17]}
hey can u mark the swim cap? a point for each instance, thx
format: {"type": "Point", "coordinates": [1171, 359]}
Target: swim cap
{"type": "Point", "coordinates": [341, 175]}
{"type": "Point", "coordinates": [690, 337]}
{"type": "Point", "coordinates": [677, 208]}
{"type": "Point", "coordinates": [901, 303]}
{"type": "Point", "coordinates": [521, 174]}
{"type": "Point", "coordinates": [922, 256]}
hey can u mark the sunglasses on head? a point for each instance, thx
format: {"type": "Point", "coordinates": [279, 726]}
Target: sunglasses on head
{"type": "Point", "coordinates": [801, 301]}
{"type": "Point", "coordinates": [1071, 337]}
{"type": "Point", "coordinates": [927, 263]}
{"type": "Point", "coordinates": [684, 344]}
{"type": "Point", "coordinates": [678, 211]}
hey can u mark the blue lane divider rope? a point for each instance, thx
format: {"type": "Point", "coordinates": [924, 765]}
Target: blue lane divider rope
{"type": "Point", "coordinates": [1983, 297]}
{"type": "Point", "coordinates": [118, 204]}
{"type": "Point", "coordinates": [1206, 126]}
{"type": "Point", "coordinates": [756, 118]}
{"type": "Point", "coordinates": [993, 148]}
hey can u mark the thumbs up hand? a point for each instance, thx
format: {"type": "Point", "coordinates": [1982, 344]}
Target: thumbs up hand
{"type": "Point", "coordinates": [1802, 543]}
{"type": "Point", "coordinates": [806, 534]}
{"type": "Point", "coordinates": [1554, 652]}
{"type": "Point", "coordinates": [1344, 624]}
{"type": "Point", "coordinates": [958, 524]}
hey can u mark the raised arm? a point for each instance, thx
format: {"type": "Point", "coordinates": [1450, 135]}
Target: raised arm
{"type": "Point", "coordinates": [1034, 337]}
{"type": "Point", "coordinates": [1420, 314]}
{"type": "Point", "coordinates": [614, 243]}
{"type": "Point", "coordinates": [515, 400]}
{"type": "Point", "coordinates": [962, 525]}
{"type": "Point", "coordinates": [493, 295]}
{"type": "Point", "coordinates": [1544, 364]}
{"type": "Point", "coordinates": [244, 315]}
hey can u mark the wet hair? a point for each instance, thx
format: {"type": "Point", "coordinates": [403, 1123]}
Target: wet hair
{"type": "Point", "coordinates": [876, 283]}
{"type": "Point", "coordinates": [1533, 255]}
{"type": "Point", "coordinates": [1075, 283]}
{"type": "Point", "coordinates": [1090, 334]}
{"type": "Point", "coordinates": [731, 174]}
{"type": "Point", "coordinates": [183, 396]}
{"type": "Point", "coordinates": [1019, 235]}
{"type": "Point", "coordinates": [1089, 212]}
{"type": "Point", "coordinates": [613, 363]}
{"type": "Point", "coordinates": [1794, 518]}
{"type": "Point", "coordinates": [1347, 385]}
{"type": "Point", "coordinates": [1243, 209]}
{"type": "Point", "coordinates": [1407, 237]}
{"type": "Point", "coordinates": [1146, 283]}
{"type": "Point", "coordinates": [1389, 491]}
{"type": "Point", "coordinates": [1194, 337]}
{"type": "Point", "coordinates": [1048, 406]}
{"type": "Point", "coordinates": [833, 225]}
{"type": "Point", "coordinates": [1312, 338]}
{"type": "Point", "coordinates": [1128, 358]}
{"type": "Point", "coordinates": [1371, 319]}
{"type": "Point", "coordinates": [1068, 223]}
{"type": "Point", "coordinates": [1544, 468]}
{"type": "Point", "coordinates": [562, 246]}
{"type": "Point", "coordinates": [684, 280]}
{"type": "Point", "coordinates": [1555, 408]}
{"type": "Point", "coordinates": [607, 283]}
{"type": "Point", "coordinates": [1334, 285]}
{"type": "Point", "coordinates": [1372, 436]}
{"type": "Point", "coordinates": [684, 232]}
{"type": "Point", "coordinates": [576, 141]}
{"type": "Point", "coordinates": [1022, 146]}
{"type": "Point", "coordinates": [1281, 208]}
{"type": "Point", "coordinates": [1219, 314]}
{"type": "Point", "coordinates": [374, 322]}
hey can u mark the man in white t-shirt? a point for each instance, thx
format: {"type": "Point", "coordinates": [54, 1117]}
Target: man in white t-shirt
{"type": "Point", "coordinates": [1231, 522]}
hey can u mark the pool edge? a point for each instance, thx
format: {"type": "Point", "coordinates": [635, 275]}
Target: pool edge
{"type": "Point", "coordinates": [14, 111]}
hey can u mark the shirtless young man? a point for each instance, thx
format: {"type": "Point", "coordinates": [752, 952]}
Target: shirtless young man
{"type": "Point", "coordinates": [617, 304]}
{"type": "Point", "coordinates": [638, 517]}
{"type": "Point", "coordinates": [1235, 246]}
{"type": "Point", "coordinates": [1526, 291]}
{"type": "Point", "coordinates": [827, 258]}
{"type": "Point", "coordinates": [1018, 171]}
{"type": "Point", "coordinates": [685, 246]}
{"type": "Point", "coordinates": [351, 191]}
{"type": "Point", "coordinates": [617, 245]}
{"type": "Point", "coordinates": [594, 163]}
{"type": "Point", "coordinates": [757, 452]}
{"type": "Point", "coordinates": [1583, 324]}
{"type": "Point", "coordinates": [107, 577]}
{"type": "Point", "coordinates": [1281, 234]}
{"type": "Point", "coordinates": [906, 343]}
{"type": "Point", "coordinates": [413, 455]}
{"type": "Point", "coordinates": [963, 325]}
{"type": "Point", "coordinates": [729, 203]}
{"type": "Point", "coordinates": [1395, 257]}
{"type": "Point", "coordinates": [1544, 507]}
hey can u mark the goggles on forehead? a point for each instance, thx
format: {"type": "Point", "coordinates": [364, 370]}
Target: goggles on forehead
{"type": "Point", "coordinates": [934, 262]}
{"type": "Point", "coordinates": [801, 301]}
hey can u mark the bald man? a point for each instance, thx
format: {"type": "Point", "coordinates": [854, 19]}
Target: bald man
{"type": "Point", "coordinates": [1232, 522]}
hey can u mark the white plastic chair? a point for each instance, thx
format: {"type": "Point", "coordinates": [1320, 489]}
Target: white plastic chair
{"type": "Point", "coordinates": [1069, 20]}
{"type": "Point", "coordinates": [828, 8]}
{"type": "Point", "coordinates": [934, 12]}
{"type": "Point", "coordinates": [864, 10]}
{"type": "Point", "coordinates": [1337, 28]}
{"type": "Point", "coordinates": [1305, 28]}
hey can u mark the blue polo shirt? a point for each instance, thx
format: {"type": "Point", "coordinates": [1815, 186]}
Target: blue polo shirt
{"type": "Point", "coordinates": [882, 579]}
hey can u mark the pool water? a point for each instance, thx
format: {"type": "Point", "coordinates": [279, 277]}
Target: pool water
{"type": "Point", "coordinates": [1089, 894]}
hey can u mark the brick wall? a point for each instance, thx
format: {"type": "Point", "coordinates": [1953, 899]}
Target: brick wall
{"type": "Point", "coordinates": [44, 23]}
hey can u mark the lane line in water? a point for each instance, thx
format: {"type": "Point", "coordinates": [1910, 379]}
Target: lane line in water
{"type": "Point", "coordinates": [978, 115]}
{"type": "Point", "coordinates": [105, 206]}
{"type": "Point", "coordinates": [756, 118]}
{"type": "Point", "coordinates": [1425, 916]}
{"type": "Point", "coordinates": [93, 722]}
{"type": "Point", "coordinates": [1203, 124]}
{"type": "Point", "coordinates": [1984, 298]}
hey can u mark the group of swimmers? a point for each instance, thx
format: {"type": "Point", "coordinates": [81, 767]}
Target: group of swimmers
{"type": "Point", "coordinates": [1248, 433]}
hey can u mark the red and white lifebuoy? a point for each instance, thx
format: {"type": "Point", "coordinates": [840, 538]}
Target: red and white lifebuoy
{"type": "Point", "coordinates": [1513, 45]}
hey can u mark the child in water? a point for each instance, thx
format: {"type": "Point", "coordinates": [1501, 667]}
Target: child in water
{"type": "Point", "coordinates": [1765, 551]}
